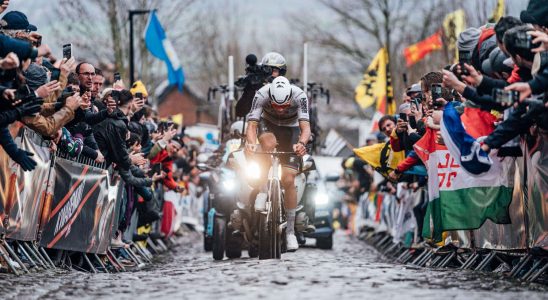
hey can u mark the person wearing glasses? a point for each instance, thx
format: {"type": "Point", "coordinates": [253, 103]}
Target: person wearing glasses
{"type": "Point", "coordinates": [86, 73]}
{"type": "Point", "coordinates": [280, 113]}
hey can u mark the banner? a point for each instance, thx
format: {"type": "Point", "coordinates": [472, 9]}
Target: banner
{"type": "Point", "coordinates": [376, 87]}
{"type": "Point", "coordinates": [498, 12]}
{"type": "Point", "coordinates": [22, 193]}
{"type": "Point", "coordinates": [80, 214]}
{"type": "Point", "coordinates": [453, 24]}
{"type": "Point", "coordinates": [418, 51]}
{"type": "Point", "coordinates": [380, 157]}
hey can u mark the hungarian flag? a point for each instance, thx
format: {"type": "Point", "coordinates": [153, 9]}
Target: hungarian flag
{"type": "Point", "coordinates": [418, 51]}
{"type": "Point", "coordinates": [457, 199]}
{"type": "Point", "coordinates": [375, 88]}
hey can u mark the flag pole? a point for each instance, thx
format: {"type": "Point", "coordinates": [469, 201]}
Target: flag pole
{"type": "Point", "coordinates": [131, 49]}
{"type": "Point", "coordinates": [305, 69]}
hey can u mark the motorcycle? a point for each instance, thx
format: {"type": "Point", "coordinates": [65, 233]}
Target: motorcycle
{"type": "Point", "coordinates": [221, 201]}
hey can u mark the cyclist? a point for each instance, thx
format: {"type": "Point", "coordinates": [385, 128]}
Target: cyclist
{"type": "Point", "coordinates": [280, 114]}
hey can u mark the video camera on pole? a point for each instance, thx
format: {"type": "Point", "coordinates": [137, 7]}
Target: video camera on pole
{"type": "Point", "coordinates": [254, 74]}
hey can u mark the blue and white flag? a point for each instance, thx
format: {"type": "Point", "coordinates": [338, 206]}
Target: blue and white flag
{"type": "Point", "coordinates": [463, 146]}
{"type": "Point", "coordinates": [158, 44]}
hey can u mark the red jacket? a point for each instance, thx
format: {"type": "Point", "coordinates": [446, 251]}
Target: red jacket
{"type": "Point", "coordinates": [167, 166]}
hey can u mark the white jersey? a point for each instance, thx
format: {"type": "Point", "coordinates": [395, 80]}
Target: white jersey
{"type": "Point", "coordinates": [262, 108]}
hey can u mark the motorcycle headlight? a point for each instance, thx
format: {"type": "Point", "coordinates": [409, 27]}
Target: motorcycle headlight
{"type": "Point", "coordinates": [229, 184]}
{"type": "Point", "coordinates": [321, 199]}
{"type": "Point", "coordinates": [253, 170]}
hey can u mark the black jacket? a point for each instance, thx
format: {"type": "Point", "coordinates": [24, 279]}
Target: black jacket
{"type": "Point", "coordinates": [111, 139]}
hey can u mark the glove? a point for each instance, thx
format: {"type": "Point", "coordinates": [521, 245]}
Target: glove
{"type": "Point", "coordinates": [29, 108]}
{"type": "Point", "coordinates": [22, 157]}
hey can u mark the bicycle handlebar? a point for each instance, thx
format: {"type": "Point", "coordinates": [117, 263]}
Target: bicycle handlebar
{"type": "Point", "coordinates": [274, 152]}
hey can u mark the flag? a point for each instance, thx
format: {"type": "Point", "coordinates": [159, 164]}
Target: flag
{"type": "Point", "coordinates": [453, 24]}
{"type": "Point", "coordinates": [498, 12]}
{"type": "Point", "coordinates": [334, 143]}
{"type": "Point", "coordinates": [418, 51]}
{"type": "Point", "coordinates": [458, 200]}
{"type": "Point", "coordinates": [159, 46]}
{"type": "Point", "coordinates": [460, 134]}
{"type": "Point", "coordinates": [376, 88]}
{"type": "Point", "coordinates": [380, 157]}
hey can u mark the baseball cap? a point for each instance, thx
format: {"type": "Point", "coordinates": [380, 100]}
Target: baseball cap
{"type": "Point", "coordinates": [17, 20]}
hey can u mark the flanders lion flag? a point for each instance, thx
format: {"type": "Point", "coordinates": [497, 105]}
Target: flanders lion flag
{"type": "Point", "coordinates": [376, 88]}
{"type": "Point", "coordinates": [380, 157]}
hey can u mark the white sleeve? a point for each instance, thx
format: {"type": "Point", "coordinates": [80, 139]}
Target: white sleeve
{"type": "Point", "coordinates": [302, 102]}
{"type": "Point", "coordinates": [257, 107]}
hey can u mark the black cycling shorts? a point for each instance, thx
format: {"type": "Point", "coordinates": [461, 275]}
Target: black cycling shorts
{"type": "Point", "coordinates": [286, 136]}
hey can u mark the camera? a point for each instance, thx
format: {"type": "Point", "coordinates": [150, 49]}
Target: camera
{"type": "Point", "coordinates": [67, 92]}
{"type": "Point", "coordinates": [465, 57]}
{"type": "Point", "coordinates": [254, 74]}
{"type": "Point", "coordinates": [24, 93]}
{"type": "Point", "coordinates": [502, 96]}
{"type": "Point", "coordinates": [525, 41]}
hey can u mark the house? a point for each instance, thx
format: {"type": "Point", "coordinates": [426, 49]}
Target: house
{"type": "Point", "coordinates": [194, 109]}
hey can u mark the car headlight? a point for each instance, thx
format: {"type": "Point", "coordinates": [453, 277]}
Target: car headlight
{"type": "Point", "coordinates": [229, 184]}
{"type": "Point", "coordinates": [253, 170]}
{"type": "Point", "coordinates": [321, 199]}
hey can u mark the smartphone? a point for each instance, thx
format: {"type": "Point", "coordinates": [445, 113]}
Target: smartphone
{"type": "Point", "coordinates": [403, 116]}
{"type": "Point", "coordinates": [117, 76]}
{"type": "Point", "coordinates": [139, 95]}
{"type": "Point", "coordinates": [465, 57]}
{"type": "Point", "coordinates": [38, 42]}
{"type": "Point", "coordinates": [412, 122]}
{"type": "Point", "coordinates": [67, 51]}
{"type": "Point", "coordinates": [436, 91]}
{"type": "Point", "coordinates": [502, 96]}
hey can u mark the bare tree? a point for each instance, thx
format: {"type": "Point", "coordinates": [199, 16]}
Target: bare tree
{"type": "Point", "coordinates": [99, 30]}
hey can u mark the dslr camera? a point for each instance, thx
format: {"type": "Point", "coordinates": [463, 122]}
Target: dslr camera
{"type": "Point", "coordinates": [525, 41]}
{"type": "Point", "coordinates": [254, 74]}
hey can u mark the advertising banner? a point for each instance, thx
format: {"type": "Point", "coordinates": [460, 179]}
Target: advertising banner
{"type": "Point", "coordinates": [80, 214]}
{"type": "Point", "coordinates": [22, 193]}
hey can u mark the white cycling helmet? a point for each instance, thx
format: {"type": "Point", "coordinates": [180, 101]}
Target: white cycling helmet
{"type": "Point", "coordinates": [280, 91]}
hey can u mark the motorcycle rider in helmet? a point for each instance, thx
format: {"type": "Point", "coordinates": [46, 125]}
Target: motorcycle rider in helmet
{"type": "Point", "coordinates": [280, 114]}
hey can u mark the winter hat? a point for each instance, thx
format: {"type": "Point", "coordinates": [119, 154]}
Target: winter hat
{"type": "Point", "coordinates": [403, 107]}
{"type": "Point", "coordinates": [139, 87]}
{"type": "Point", "coordinates": [495, 63]}
{"type": "Point", "coordinates": [36, 76]}
{"type": "Point", "coordinates": [415, 88]}
{"type": "Point", "coordinates": [536, 13]}
{"type": "Point", "coordinates": [468, 39]}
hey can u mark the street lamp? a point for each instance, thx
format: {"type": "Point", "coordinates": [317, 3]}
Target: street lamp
{"type": "Point", "coordinates": [131, 50]}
